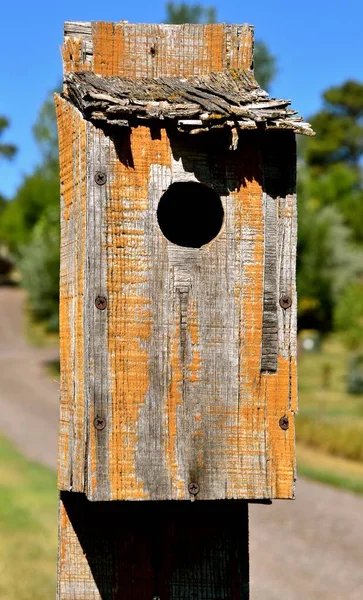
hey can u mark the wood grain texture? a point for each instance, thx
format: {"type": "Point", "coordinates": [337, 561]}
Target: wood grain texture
{"type": "Point", "coordinates": [229, 98]}
{"type": "Point", "coordinates": [166, 550]}
{"type": "Point", "coordinates": [73, 404]}
{"type": "Point", "coordinates": [140, 50]}
{"type": "Point", "coordinates": [270, 295]}
{"type": "Point", "coordinates": [193, 362]}
{"type": "Point", "coordinates": [174, 362]}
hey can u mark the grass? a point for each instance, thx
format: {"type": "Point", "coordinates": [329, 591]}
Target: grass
{"type": "Point", "coordinates": [329, 419]}
{"type": "Point", "coordinates": [28, 527]}
{"type": "Point", "coordinates": [332, 470]}
{"type": "Point", "coordinates": [36, 332]}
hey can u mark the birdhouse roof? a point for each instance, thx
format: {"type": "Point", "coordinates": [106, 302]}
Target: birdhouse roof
{"type": "Point", "coordinates": [229, 99]}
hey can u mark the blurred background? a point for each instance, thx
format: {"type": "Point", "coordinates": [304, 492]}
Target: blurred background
{"type": "Point", "coordinates": [311, 53]}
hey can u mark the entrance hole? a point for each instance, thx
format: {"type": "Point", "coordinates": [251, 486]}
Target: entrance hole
{"type": "Point", "coordinates": [190, 214]}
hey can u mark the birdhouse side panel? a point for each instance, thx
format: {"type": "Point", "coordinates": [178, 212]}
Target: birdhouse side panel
{"type": "Point", "coordinates": [73, 410]}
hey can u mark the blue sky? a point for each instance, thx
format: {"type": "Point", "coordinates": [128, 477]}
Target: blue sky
{"type": "Point", "coordinates": [317, 43]}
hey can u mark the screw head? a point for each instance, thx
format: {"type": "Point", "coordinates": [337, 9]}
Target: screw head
{"type": "Point", "coordinates": [285, 301]}
{"type": "Point", "coordinates": [101, 302]}
{"type": "Point", "coordinates": [100, 423]}
{"type": "Point", "coordinates": [284, 422]}
{"type": "Point", "coordinates": [193, 488]}
{"type": "Point", "coordinates": [100, 178]}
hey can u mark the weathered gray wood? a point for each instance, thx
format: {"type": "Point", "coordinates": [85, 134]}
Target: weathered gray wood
{"type": "Point", "coordinates": [216, 97]}
{"type": "Point", "coordinates": [99, 402]}
{"type": "Point", "coordinates": [269, 326]}
{"type": "Point", "coordinates": [183, 368]}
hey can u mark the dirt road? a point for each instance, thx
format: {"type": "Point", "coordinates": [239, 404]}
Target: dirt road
{"type": "Point", "coordinates": [308, 549]}
{"type": "Point", "coordinates": [29, 400]}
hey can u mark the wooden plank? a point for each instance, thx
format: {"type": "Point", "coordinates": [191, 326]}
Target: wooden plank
{"type": "Point", "coordinates": [73, 411]}
{"type": "Point", "coordinates": [280, 389]}
{"type": "Point", "coordinates": [98, 397]}
{"type": "Point", "coordinates": [139, 50]}
{"type": "Point", "coordinates": [166, 550]}
{"type": "Point", "coordinates": [173, 364]}
{"type": "Point", "coordinates": [270, 298]}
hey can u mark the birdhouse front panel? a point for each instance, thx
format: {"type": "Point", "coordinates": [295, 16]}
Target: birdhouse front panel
{"type": "Point", "coordinates": [178, 303]}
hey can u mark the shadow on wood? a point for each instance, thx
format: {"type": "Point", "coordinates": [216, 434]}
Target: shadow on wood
{"type": "Point", "coordinates": [153, 550]}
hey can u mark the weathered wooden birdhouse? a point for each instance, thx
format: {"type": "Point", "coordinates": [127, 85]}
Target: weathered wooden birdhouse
{"type": "Point", "coordinates": [178, 303]}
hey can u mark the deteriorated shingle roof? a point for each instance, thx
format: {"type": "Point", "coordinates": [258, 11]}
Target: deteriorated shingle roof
{"type": "Point", "coordinates": [231, 98]}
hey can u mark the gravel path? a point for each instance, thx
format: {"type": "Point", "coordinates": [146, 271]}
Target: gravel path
{"type": "Point", "coordinates": [308, 549]}
{"type": "Point", "coordinates": [29, 400]}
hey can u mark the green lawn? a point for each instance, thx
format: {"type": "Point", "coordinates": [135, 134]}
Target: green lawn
{"type": "Point", "coordinates": [28, 528]}
{"type": "Point", "coordinates": [329, 469]}
{"type": "Point", "coordinates": [329, 418]}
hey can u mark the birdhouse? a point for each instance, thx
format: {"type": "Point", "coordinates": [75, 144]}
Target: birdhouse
{"type": "Point", "coordinates": [178, 242]}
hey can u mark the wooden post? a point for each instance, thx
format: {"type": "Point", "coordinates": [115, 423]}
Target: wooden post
{"type": "Point", "coordinates": [178, 309]}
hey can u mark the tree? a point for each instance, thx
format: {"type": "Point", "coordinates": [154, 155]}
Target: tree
{"type": "Point", "coordinates": [264, 61]}
{"type": "Point", "coordinates": [264, 65]}
{"type": "Point", "coordinates": [189, 13]}
{"type": "Point", "coordinates": [335, 154]}
{"type": "Point", "coordinates": [326, 260]}
{"type": "Point", "coordinates": [29, 224]}
{"type": "Point", "coordinates": [331, 211]}
{"type": "Point", "coordinates": [6, 150]}
{"type": "Point", "coordinates": [339, 128]}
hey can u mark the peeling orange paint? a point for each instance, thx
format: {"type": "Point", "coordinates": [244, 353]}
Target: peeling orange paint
{"type": "Point", "coordinates": [108, 49]}
{"type": "Point", "coordinates": [129, 312]}
{"type": "Point", "coordinates": [72, 56]}
{"type": "Point", "coordinates": [72, 144]}
{"type": "Point", "coordinates": [125, 50]}
{"type": "Point", "coordinates": [281, 443]}
{"type": "Point", "coordinates": [215, 46]}
{"type": "Point", "coordinates": [249, 227]}
{"type": "Point", "coordinates": [241, 436]}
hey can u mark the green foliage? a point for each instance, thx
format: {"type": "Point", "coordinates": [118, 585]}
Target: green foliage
{"type": "Point", "coordinates": [46, 134]}
{"type": "Point", "coordinates": [355, 375]}
{"type": "Point", "coordinates": [334, 155]}
{"type": "Point", "coordinates": [29, 224]}
{"type": "Point", "coordinates": [339, 128]}
{"type": "Point", "coordinates": [6, 150]}
{"type": "Point", "coordinates": [264, 61]}
{"type": "Point", "coordinates": [179, 13]}
{"type": "Point", "coordinates": [37, 192]}
{"type": "Point", "coordinates": [331, 212]}
{"type": "Point", "coordinates": [348, 316]}
{"type": "Point", "coordinates": [39, 265]}
{"type": "Point", "coordinates": [326, 261]}
{"type": "Point", "coordinates": [264, 65]}
{"type": "Point", "coordinates": [339, 438]}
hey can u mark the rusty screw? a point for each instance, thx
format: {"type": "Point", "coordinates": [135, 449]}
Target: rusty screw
{"type": "Point", "coordinates": [284, 422]}
{"type": "Point", "coordinates": [100, 178]}
{"type": "Point", "coordinates": [193, 488]}
{"type": "Point", "coordinates": [285, 301]}
{"type": "Point", "coordinates": [100, 423]}
{"type": "Point", "coordinates": [101, 302]}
